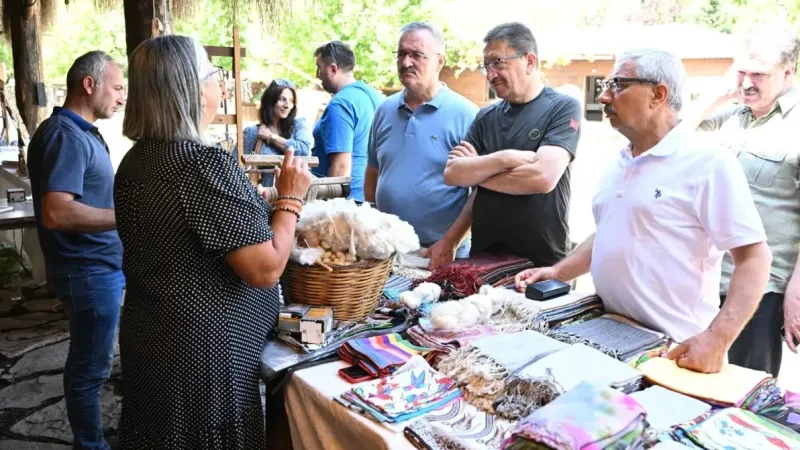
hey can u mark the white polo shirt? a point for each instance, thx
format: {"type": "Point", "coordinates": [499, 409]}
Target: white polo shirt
{"type": "Point", "coordinates": [664, 220]}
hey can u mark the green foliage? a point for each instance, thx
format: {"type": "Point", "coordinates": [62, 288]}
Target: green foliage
{"type": "Point", "coordinates": [79, 29]}
{"type": "Point", "coordinates": [369, 26]}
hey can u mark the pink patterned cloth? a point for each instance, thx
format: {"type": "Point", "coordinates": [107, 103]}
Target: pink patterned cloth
{"type": "Point", "coordinates": [588, 417]}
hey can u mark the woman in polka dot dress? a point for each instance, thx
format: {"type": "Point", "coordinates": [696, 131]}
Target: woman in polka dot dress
{"type": "Point", "coordinates": [202, 256]}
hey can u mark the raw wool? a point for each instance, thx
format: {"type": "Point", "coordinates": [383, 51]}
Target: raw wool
{"type": "Point", "coordinates": [342, 226]}
{"type": "Point", "coordinates": [306, 256]}
{"type": "Point", "coordinates": [499, 307]}
{"type": "Point", "coordinates": [523, 395]}
{"type": "Point", "coordinates": [422, 294]}
{"type": "Point", "coordinates": [512, 311]}
{"type": "Point", "coordinates": [460, 314]}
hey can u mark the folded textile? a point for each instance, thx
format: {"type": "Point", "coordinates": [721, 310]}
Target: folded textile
{"type": "Point", "coordinates": [482, 366]}
{"type": "Point", "coordinates": [579, 363]}
{"type": "Point", "coordinates": [446, 341]}
{"type": "Point", "coordinates": [726, 388]}
{"type": "Point", "coordinates": [464, 277]}
{"type": "Point", "coordinates": [404, 395]}
{"type": "Point", "coordinates": [666, 408]}
{"type": "Point", "coordinates": [734, 428]}
{"type": "Point", "coordinates": [765, 395]}
{"type": "Point", "coordinates": [612, 334]}
{"type": "Point", "coordinates": [786, 412]}
{"type": "Point", "coordinates": [458, 426]}
{"type": "Point", "coordinates": [566, 307]}
{"type": "Point", "coordinates": [588, 417]}
{"type": "Point", "coordinates": [380, 355]}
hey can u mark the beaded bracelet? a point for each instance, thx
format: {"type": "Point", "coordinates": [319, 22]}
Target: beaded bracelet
{"type": "Point", "coordinates": [290, 203]}
{"type": "Point", "coordinates": [291, 197]}
{"type": "Point", "coordinates": [287, 209]}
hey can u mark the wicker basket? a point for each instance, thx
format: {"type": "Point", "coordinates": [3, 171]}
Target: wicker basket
{"type": "Point", "coordinates": [352, 291]}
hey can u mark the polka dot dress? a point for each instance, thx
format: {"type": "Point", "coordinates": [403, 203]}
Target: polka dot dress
{"type": "Point", "coordinates": [191, 332]}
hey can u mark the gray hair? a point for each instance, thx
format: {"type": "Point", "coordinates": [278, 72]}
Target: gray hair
{"type": "Point", "coordinates": [518, 36]}
{"type": "Point", "coordinates": [660, 66]}
{"type": "Point", "coordinates": [164, 89]}
{"type": "Point", "coordinates": [92, 64]}
{"type": "Point", "coordinates": [778, 38]}
{"type": "Point", "coordinates": [424, 26]}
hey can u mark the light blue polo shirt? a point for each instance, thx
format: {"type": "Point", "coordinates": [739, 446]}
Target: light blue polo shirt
{"type": "Point", "coordinates": [410, 150]}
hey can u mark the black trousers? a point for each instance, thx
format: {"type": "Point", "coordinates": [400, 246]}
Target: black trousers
{"type": "Point", "coordinates": [760, 346]}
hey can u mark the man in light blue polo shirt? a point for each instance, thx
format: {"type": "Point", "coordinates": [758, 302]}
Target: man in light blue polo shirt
{"type": "Point", "coordinates": [410, 141]}
{"type": "Point", "coordinates": [341, 134]}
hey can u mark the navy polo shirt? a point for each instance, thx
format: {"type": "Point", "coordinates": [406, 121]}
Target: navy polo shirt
{"type": "Point", "coordinates": [68, 154]}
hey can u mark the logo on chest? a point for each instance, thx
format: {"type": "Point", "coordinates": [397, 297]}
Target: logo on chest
{"type": "Point", "coordinates": [534, 134]}
{"type": "Point", "coordinates": [657, 194]}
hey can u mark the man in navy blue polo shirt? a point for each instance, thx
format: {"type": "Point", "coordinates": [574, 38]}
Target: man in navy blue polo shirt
{"type": "Point", "coordinates": [72, 182]}
{"type": "Point", "coordinates": [410, 141]}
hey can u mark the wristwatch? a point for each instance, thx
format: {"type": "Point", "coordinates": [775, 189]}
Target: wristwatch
{"type": "Point", "coordinates": [272, 138]}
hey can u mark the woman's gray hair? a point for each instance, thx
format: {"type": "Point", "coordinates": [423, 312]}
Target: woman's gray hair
{"type": "Point", "coordinates": [424, 26]}
{"type": "Point", "coordinates": [660, 66]}
{"type": "Point", "coordinates": [164, 89]}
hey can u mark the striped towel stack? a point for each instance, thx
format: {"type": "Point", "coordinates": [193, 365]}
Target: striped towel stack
{"type": "Point", "coordinates": [381, 355]}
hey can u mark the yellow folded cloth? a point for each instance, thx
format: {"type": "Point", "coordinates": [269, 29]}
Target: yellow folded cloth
{"type": "Point", "coordinates": [729, 386]}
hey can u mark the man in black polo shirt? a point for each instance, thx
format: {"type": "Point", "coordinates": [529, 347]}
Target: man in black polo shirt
{"type": "Point", "coordinates": [518, 153]}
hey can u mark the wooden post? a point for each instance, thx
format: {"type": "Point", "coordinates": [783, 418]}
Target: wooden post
{"type": "Point", "coordinates": [139, 23]}
{"type": "Point", "coordinates": [26, 46]}
{"type": "Point", "coordinates": [237, 96]}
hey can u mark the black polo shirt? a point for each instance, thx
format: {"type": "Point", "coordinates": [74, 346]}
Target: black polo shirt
{"type": "Point", "coordinates": [530, 226]}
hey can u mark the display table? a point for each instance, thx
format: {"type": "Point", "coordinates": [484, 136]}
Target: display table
{"type": "Point", "coordinates": [318, 422]}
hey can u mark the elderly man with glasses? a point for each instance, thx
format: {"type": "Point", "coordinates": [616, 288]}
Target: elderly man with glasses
{"type": "Point", "coordinates": [410, 141]}
{"type": "Point", "coordinates": [518, 153]}
{"type": "Point", "coordinates": [341, 134]}
{"type": "Point", "coordinates": [761, 132]}
{"type": "Point", "coordinates": [666, 210]}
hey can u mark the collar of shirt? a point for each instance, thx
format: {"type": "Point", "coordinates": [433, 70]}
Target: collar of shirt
{"type": "Point", "coordinates": [668, 145]}
{"type": "Point", "coordinates": [82, 123]}
{"type": "Point", "coordinates": [784, 104]}
{"type": "Point", "coordinates": [436, 102]}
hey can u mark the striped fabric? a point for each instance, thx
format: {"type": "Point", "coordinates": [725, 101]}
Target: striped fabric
{"type": "Point", "coordinates": [380, 355]}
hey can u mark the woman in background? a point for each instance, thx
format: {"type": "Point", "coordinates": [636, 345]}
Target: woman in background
{"type": "Point", "coordinates": [280, 128]}
{"type": "Point", "coordinates": [202, 253]}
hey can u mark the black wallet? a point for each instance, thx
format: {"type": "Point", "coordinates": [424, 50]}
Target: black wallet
{"type": "Point", "coordinates": [546, 290]}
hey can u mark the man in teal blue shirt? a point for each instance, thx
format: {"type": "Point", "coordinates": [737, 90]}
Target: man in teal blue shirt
{"type": "Point", "coordinates": [341, 134]}
{"type": "Point", "coordinates": [410, 142]}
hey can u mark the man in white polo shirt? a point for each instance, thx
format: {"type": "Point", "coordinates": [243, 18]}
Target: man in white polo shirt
{"type": "Point", "coordinates": [666, 210]}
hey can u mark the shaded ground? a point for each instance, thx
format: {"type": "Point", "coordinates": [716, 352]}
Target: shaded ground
{"type": "Point", "coordinates": [34, 341]}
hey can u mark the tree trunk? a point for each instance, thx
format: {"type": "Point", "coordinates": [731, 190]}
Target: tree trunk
{"type": "Point", "coordinates": [26, 45]}
{"type": "Point", "coordinates": [139, 23]}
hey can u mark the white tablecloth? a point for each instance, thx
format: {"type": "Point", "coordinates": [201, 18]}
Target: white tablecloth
{"type": "Point", "coordinates": [318, 422]}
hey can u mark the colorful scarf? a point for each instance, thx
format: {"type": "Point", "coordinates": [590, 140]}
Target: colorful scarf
{"type": "Point", "coordinates": [589, 417]}
{"type": "Point", "coordinates": [380, 355]}
{"type": "Point", "coordinates": [403, 396]}
{"type": "Point", "coordinates": [736, 428]}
